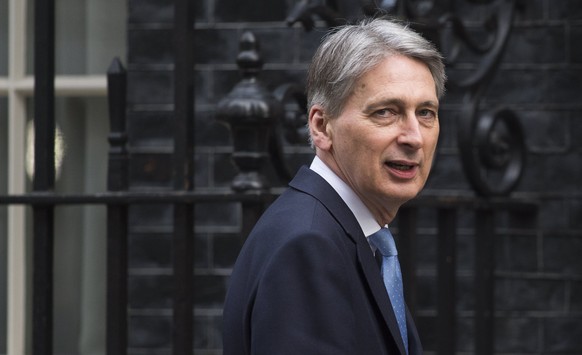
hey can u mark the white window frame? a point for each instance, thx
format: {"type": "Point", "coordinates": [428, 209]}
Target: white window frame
{"type": "Point", "coordinates": [17, 87]}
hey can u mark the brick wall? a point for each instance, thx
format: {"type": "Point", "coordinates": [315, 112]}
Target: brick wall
{"type": "Point", "coordinates": [539, 271]}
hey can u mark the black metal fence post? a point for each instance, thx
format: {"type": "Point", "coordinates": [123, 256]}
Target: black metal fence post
{"type": "Point", "coordinates": [183, 180]}
{"type": "Point", "coordinates": [250, 110]}
{"type": "Point", "coordinates": [117, 225]}
{"type": "Point", "coordinates": [447, 265]}
{"type": "Point", "coordinates": [484, 281]}
{"type": "Point", "coordinates": [44, 175]}
{"type": "Point", "coordinates": [407, 224]}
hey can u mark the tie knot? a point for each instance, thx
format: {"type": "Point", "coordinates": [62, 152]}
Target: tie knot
{"type": "Point", "coordinates": [384, 241]}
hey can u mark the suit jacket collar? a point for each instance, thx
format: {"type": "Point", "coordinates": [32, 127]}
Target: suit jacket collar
{"type": "Point", "coordinates": [311, 183]}
{"type": "Point", "coordinates": [362, 213]}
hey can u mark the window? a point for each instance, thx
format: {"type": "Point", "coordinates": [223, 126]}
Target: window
{"type": "Point", "coordinates": [89, 34]}
{"type": "Point", "coordinates": [3, 37]}
{"type": "Point", "coordinates": [3, 222]}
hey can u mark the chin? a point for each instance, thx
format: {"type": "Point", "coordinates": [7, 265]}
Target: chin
{"type": "Point", "coordinates": [405, 195]}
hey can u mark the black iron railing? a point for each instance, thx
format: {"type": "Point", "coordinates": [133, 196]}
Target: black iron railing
{"type": "Point", "coordinates": [250, 124]}
{"type": "Point", "coordinates": [44, 178]}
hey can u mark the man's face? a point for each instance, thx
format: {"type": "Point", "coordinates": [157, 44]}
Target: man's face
{"type": "Point", "coordinates": [383, 142]}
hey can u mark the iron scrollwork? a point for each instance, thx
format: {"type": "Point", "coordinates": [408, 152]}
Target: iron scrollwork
{"type": "Point", "coordinates": [491, 144]}
{"type": "Point", "coordinates": [290, 128]}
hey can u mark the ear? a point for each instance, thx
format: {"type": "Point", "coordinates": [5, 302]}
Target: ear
{"type": "Point", "coordinates": [319, 128]}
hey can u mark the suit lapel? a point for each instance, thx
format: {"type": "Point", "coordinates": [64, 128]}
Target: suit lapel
{"type": "Point", "coordinates": [414, 344]}
{"type": "Point", "coordinates": [310, 182]}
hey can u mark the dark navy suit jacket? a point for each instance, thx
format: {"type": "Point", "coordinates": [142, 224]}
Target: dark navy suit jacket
{"type": "Point", "coordinates": [306, 282]}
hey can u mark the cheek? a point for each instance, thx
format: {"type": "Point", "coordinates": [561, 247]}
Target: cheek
{"type": "Point", "coordinates": [352, 140]}
{"type": "Point", "coordinates": [431, 141]}
{"type": "Point", "coordinates": [429, 159]}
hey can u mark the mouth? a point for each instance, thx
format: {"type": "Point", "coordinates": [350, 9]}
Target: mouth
{"type": "Point", "coordinates": [402, 169]}
{"type": "Point", "coordinates": [401, 166]}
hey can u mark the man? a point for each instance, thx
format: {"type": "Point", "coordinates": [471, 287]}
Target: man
{"type": "Point", "coordinates": [306, 280]}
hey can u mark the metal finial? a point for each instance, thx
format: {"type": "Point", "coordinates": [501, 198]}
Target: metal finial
{"type": "Point", "coordinates": [250, 110]}
{"type": "Point", "coordinates": [249, 58]}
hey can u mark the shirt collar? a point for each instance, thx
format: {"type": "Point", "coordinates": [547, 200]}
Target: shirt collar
{"type": "Point", "coordinates": [363, 215]}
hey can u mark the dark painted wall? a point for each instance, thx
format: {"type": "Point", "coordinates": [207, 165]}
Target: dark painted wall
{"type": "Point", "coordinates": [539, 270]}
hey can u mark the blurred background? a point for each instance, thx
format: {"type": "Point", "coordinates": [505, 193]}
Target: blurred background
{"type": "Point", "coordinates": [493, 244]}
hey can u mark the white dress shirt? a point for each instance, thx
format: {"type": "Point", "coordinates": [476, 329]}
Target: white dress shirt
{"type": "Point", "coordinates": [360, 211]}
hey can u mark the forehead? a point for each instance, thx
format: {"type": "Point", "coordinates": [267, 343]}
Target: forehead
{"type": "Point", "coordinates": [398, 76]}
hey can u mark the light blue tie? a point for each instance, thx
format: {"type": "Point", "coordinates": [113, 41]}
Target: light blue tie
{"type": "Point", "coordinates": [392, 276]}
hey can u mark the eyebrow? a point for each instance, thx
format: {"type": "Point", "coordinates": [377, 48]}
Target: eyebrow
{"type": "Point", "coordinates": [398, 102]}
{"type": "Point", "coordinates": [430, 103]}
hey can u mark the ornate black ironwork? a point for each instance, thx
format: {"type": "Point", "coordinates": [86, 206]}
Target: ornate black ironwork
{"type": "Point", "coordinates": [261, 121]}
{"type": "Point", "coordinates": [250, 110]}
{"type": "Point", "coordinates": [491, 144]}
{"type": "Point", "coordinates": [290, 128]}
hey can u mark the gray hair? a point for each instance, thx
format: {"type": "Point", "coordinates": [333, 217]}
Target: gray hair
{"type": "Point", "coordinates": [349, 52]}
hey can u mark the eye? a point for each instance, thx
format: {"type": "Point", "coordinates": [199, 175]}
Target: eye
{"type": "Point", "coordinates": [385, 112]}
{"type": "Point", "coordinates": [427, 115]}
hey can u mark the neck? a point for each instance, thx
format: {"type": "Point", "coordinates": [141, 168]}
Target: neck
{"type": "Point", "coordinates": [383, 211]}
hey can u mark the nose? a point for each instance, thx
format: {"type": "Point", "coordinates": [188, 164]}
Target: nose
{"type": "Point", "coordinates": [410, 132]}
